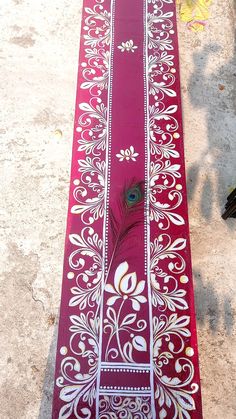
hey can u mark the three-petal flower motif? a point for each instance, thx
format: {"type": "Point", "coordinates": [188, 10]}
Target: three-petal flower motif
{"type": "Point", "coordinates": [127, 46]}
{"type": "Point", "coordinates": [128, 154]}
{"type": "Point", "coordinates": [126, 287]}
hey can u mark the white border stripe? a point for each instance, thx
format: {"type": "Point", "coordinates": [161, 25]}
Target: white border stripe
{"type": "Point", "coordinates": [106, 200]}
{"type": "Point", "coordinates": [133, 393]}
{"type": "Point", "coordinates": [127, 365]}
{"type": "Point", "coordinates": [147, 221]}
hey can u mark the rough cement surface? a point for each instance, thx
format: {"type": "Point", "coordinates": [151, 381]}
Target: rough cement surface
{"type": "Point", "coordinates": [39, 52]}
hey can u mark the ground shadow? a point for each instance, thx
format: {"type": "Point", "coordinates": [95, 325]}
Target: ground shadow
{"type": "Point", "coordinates": [216, 94]}
{"type": "Point", "coordinates": [45, 411]}
{"type": "Point", "coordinates": [216, 168]}
{"type": "Point", "coordinates": [211, 308]}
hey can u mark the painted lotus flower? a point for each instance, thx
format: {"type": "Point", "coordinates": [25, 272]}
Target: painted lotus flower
{"type": "Point", "coordinates": [128, 154]}
{"type": "Point", "coordinates": [126, 286]}
{"type": "Point", "coordinates": [127, 46]}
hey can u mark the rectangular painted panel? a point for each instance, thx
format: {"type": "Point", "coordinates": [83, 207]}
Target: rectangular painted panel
{"type": "Point", "coordinates": [127, 345]}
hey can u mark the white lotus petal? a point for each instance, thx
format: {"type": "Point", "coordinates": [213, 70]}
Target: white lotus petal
{"type": "Point", "coordinates": [140, 287]}
{"type": "Point", "coordinates": [112, 300]}
{"type": "Point", "coordinates": [135, 304]}
{"type": "Point", "coordinates": [110, 288]}
{"type": "Point", "coordinates": [120, 272]}
{"type": "Point", "coordinates": [141, 298]}
{"type": "Point", "coordinates": [128, 283]}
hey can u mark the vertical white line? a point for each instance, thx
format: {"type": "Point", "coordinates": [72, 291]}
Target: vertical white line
{"type": "Point", "coordinates": [147, 220]}
{"type": "Point", "coordinates": [106, 200]}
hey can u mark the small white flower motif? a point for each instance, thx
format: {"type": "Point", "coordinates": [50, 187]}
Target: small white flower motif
{"type": "Point", "coordinates": [126, 287]}
{"type": "Point", "coordinates": [127, 46]}
{"type": "Point", "coordinates": [128, 154]}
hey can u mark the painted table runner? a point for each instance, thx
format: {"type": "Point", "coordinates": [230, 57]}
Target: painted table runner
{"type": "Point", "coordinates": [127, 335]}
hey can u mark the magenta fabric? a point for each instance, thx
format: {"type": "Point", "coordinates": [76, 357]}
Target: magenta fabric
{"type": "Point", "coordinates": [127, 345]}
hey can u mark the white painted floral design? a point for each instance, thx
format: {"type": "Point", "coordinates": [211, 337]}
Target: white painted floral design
{"type": "Point", "coordinates": [96, 70]}
{"type": "Point", "coordinates": [76, 386]}
{"type": "Point", "coordinates": [163, 177]}
{"type": "Point", "coordinates": [93, 176]}
{"type": "Point", "coordinates": [77, 375]}
{"type": "Point", "coordinates": [128, 154]}
{"type": "Point", "coordinates": [92, 127]}
{"type": "Point", "coordinates": [126, 287]}
{"type": "Point", "coordinates": [98, 26]}
{"type": "Point", "coordinates": [164, 247]}
{"type": "Point", "coordinates": [119, 407]}
{"type": "Point", "coordinates": [127, 46]}
{"type": "Point", "coordinates": [173, 391]}
{"type": "Point", "coordinates": [121, 327]}
{"type": "Point", "coordinates": [158, 64]}
{"type": "Point", "coordinates": [174, 372]}
{"type": "Point", "coordinates": [87, 291]}
{"type": "Point", "coordinates": [166, 293]}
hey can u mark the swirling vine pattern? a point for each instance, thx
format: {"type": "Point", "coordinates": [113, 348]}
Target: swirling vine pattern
{"type": "Point", "coordinates": [117, 407]}
{"type": "Point", "coordinates": [167, 255]}
{"type": "Point", "coordinates": [77, 380]}
{"type": "Point", "coordinates": [93, 177]}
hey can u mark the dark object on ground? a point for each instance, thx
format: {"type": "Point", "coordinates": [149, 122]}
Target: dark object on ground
{"type": "Point", "coordinates": [230, 207]}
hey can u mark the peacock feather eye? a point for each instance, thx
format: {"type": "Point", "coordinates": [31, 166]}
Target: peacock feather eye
{"type": "Point", "coordinates": [133, 195]}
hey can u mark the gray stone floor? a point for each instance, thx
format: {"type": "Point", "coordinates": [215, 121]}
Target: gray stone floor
{"type": "Point", "coordinates": [39, 53]}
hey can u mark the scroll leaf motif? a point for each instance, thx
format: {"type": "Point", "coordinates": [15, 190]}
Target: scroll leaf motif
{"type": "Point", "coordinates": [163, 248]}
{"type": "Point", "coordinates": [174, 393]}
{"type": "Point", "coordinates": [78, 387]}
{"type": "Point", "coordinates": [115, 406]}
{"type": "Point", "coordinates": [93, 175]}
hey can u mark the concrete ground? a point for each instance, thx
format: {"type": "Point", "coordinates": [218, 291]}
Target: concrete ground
{"type": "Point", "coordinates": [39, 52]}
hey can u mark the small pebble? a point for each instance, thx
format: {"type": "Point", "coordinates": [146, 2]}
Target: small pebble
{"type": "Point", "coordinates": [57, 133]}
